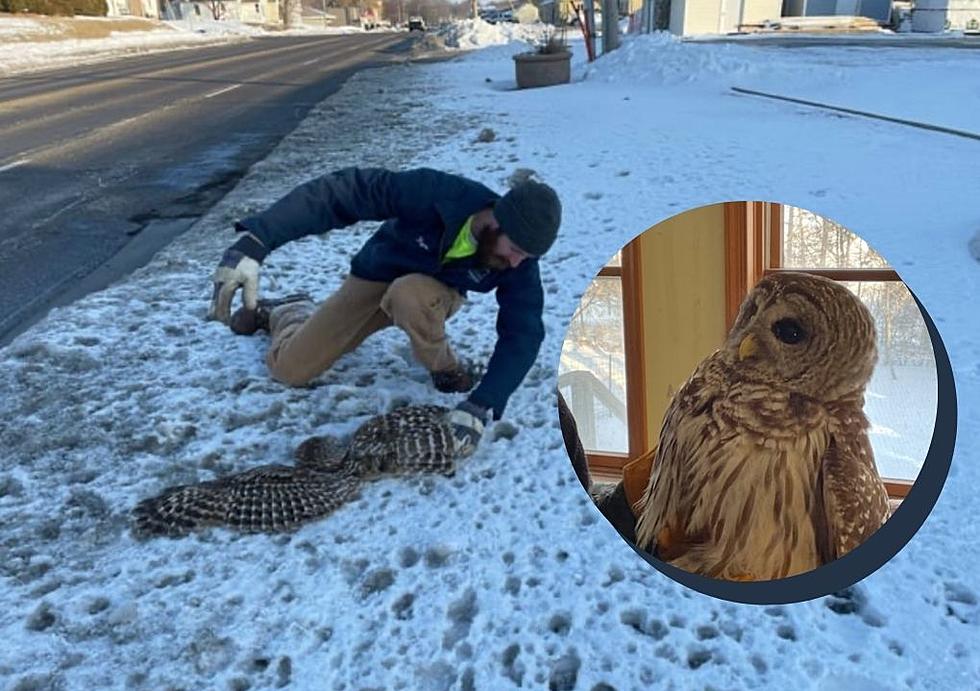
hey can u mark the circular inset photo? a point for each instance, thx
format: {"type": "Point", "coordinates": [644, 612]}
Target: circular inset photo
{"type": "Point", "coordinates": [756, 402]}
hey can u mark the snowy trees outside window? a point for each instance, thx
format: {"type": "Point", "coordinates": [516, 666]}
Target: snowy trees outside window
{"type": "Point", "coordinates": [592, 370]}
{"type": "Point", "coordinates": [901, 398]}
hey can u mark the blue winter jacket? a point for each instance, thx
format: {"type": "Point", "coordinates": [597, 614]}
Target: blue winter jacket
{"type": "Point", "coordinates": [423, 210]}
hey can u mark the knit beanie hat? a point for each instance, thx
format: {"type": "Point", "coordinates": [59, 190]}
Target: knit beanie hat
{"type": "Point", "coordinates": [529, 214]}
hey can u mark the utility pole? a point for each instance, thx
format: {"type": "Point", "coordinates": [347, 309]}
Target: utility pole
{"type": "Point", "coordinates": [610, 25]}
{"type": "Point", "coordinates": [293, 13]}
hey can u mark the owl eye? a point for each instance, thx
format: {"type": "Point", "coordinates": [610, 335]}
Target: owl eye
{"type": "Point", "coordinates": [789, 331]}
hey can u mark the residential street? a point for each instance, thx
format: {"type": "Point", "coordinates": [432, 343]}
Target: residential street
{"type": "Point", "coordinates": [114, 160]}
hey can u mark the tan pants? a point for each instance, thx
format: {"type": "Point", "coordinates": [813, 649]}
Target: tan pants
{"type": "Point", "coordinates": [307, 341]}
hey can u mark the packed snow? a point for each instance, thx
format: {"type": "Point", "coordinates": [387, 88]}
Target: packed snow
{"type": "Point", "coordinates": [477, 33]}
{"type": "Point", "coordinates": [14, 28]}
{"type": "Point", "coordinates": [20, 56]}
{"type": "Point", "coordinates": [504, 576]}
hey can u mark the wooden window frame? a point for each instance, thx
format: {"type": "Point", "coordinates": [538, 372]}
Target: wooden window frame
{"type": "Point", "coordinates": [753, 250]}
{"type": "Point", "coordinates": [610, 464]}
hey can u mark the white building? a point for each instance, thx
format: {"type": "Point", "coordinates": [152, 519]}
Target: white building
{"type": "Point", "coordinates": [132, 8]}
{"type": "Point", "coordinates": [940, 15]}
{"type": "Point", "coordinates": [245, 11]}
{"type": "Point", "coordinates": [879, 10]}
{"type": "Point", "coordinates": [527, 14]}
{"type": "Point", "coordinates": [720, 16]}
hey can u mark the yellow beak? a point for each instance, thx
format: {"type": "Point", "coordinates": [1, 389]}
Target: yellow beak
{"type": "Point", "coordinates": [747, 348]}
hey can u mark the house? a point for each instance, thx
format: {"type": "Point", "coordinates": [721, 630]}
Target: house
{"type": "Point", "coordinates": [689, 17]}
{"type": "Point", "coordinates": [939, 15]}
{"type": "Point", "coordinates": [527, 14]}
{"type": "Point", "coordinates": [548, 11]}
{"type": "Point", "coordinates": [879, 10]}
{"type": "Point", "coordinates": [331, 16]}
{"type": "Point", "coordinates": [248, 12]}
{"type": "Point", "coordinates": [132, 8]}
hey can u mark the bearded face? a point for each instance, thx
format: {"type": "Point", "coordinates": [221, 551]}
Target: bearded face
{"type": "Point", "coordinates": [487, 253]}
{"type": "Point", "coordinates": [495, 250]}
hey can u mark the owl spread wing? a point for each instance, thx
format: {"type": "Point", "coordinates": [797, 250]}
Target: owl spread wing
{"type": "Point", "coordinates": [270, 498]}
{"type": "Point", "coordinates": [855, 502]}
{"type": "Point", "coordinates": [276, 498]}
{"type": "Point", "coordinates": [410, 438]}
{"type": "Point", "coordinates": [321, 453]}
{"type": "Point", "coordinates": [428, 450]}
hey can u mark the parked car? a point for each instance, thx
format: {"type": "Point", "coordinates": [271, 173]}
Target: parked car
{"type": "Point", "coordinates": [494, 16]}
{"type": "Point", "coordinates": [416, 24]}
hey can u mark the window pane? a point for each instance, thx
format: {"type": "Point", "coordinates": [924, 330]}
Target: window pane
{"type": "Point", "coordinates": [902, 396]}
{"type": "Point", "coordinates": [592, 370]}
{"type": "Point", "coordinates": [812, 241]}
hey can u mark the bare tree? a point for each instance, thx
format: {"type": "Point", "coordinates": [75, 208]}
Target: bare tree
{"type": "Point", "coordinates": [217, 8]}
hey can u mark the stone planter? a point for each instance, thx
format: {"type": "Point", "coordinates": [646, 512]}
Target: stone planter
{"type": "Point", "coordinates": [543, 69]}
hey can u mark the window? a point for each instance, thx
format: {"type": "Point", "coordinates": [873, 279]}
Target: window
{"type": "Point", "coordinates": [600, 371]}
{"type": "Point", "coordinates": [901, 398]}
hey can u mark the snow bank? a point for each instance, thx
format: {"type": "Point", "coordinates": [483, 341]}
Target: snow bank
{"type": "Point", "coordinates": [925, 85]}
{"type": "Point", "coordinates": [476, 33]}
{"type": "Point", "coordinates": [16, 27]}
{"type": "Point", "coordinates": [210, 27]}
{"type": "Point", "coordinates": [26, 56]}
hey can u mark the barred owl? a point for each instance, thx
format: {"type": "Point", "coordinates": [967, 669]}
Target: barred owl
{"type": "Point", "coordinates": [273, 498]}
{"type": "Point", "coordinates": [764, 468]}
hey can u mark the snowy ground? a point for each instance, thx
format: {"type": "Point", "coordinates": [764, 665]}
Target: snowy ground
{"type": "Point", "coordinates": [28, 44]}
{"type": "Point", "coordinates": [505, 575]}
{"type": "Point", "coordinates": [476, 33]}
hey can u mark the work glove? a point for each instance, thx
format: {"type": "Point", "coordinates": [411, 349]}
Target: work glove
{"type": "Point", "coordinates": [467, 421]}
{"type": "Point", "coordinates": [239, 268]}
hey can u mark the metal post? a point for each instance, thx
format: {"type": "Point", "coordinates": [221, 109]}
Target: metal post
{"type": "Point", "coordinates": [610, 25]}
{"type": "Point", "coordinates": [590, 24]}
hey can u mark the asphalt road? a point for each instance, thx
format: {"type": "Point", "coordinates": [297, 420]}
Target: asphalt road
{"type": "Point", "coordinates": [102, 165]}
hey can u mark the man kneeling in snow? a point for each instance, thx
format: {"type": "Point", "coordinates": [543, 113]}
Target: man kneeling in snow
{"type": "Point", "coordinates": [442, 236]}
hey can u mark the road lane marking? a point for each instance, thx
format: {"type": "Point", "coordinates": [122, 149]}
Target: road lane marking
{"type": "Point", "coordinates": [260, 50]}
{"type": "Point", "coordinates": [14, 164]}
{"type": "Point", "coordinates": [345, 56]}
{"type": "Point", "coordinates": [310, 62]}
{"type": "Point", "coordinates": [222, 91]}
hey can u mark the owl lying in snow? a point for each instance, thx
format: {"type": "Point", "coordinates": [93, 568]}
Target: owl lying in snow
{"type": "Point", "coordinates": [275, 498]}
{"type": "Point", "coordinates": [764, 469]}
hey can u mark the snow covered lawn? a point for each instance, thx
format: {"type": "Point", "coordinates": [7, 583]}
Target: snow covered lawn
{"type": "Point", "coordinates": [504, 575]}
{"type": "Point", "coordinates": [32, 42]}
{"type": "Point", "coordinates": [33, 28]}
